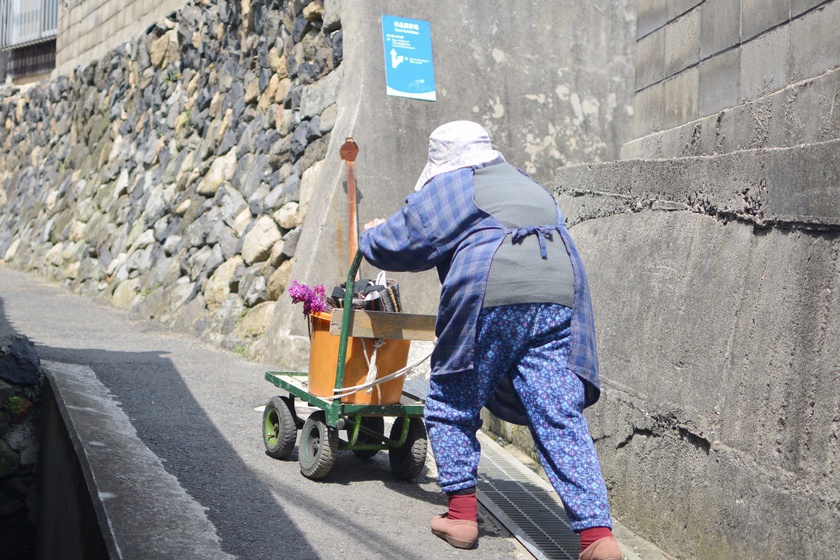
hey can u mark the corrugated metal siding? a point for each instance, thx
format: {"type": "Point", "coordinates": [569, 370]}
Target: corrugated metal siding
{"type": "Point", "coordinates": [26, 22]}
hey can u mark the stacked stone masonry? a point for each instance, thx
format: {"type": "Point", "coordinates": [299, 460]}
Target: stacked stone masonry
{"type": "Point", "coordinates": [20, 400]}
{"type": "Point", "coordinates": [718, 76]}
{"type": "Point", "coordinates": [170, 177]}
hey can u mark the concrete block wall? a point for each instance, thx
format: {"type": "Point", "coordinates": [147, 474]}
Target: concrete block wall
{"type": "Point", "coordinates": [716, 76]}
{"type": "Point", "coordinates": [714, 280]}
{"type": "Point", "coordinates": [88, 29]}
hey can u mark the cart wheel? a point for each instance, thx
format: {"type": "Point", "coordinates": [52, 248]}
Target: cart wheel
{"type": "Point", "coordinates": [279, 430]}
{"type": "Point", "coordinates": [407, 462]}
{"type": "Point", "coordinates": [318, 446]}
{"type": "Point", "coordinates": [374, 424]}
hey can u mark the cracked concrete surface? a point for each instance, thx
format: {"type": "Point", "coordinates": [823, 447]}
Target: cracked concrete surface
{"type": "Point", "coordinates": [790, 188]}
{"type": "Point", "coordinates": [715, 283]}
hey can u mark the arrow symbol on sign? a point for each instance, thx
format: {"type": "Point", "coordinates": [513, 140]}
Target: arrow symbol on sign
{"type": "Point", "coordinates": [395, 59]}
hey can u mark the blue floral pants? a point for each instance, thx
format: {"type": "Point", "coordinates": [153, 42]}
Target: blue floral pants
{"type": "Point", "coordinates": [530, 344]}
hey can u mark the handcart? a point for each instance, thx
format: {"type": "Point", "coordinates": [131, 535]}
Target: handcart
{"type": "Point", "coordinates": [362, 424]}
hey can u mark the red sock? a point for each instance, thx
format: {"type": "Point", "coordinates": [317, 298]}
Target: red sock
{"type": "Point", "coordinates": [589, 536]}
{"type": "Point", "coordinates": [463, 506]}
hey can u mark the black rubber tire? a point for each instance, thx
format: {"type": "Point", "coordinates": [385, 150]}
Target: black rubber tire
{"type": "Point", "coordinates": [374, 424]}
{"type": "Point", "coordinates": [407, 462]}
{"type": "Point", "coordinates": [279, 430]}
{"type": "Point", "coordinates": [318, 446]}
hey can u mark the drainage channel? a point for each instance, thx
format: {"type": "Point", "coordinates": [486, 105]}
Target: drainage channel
{"type": "Point", "coordinates": [524, 503]}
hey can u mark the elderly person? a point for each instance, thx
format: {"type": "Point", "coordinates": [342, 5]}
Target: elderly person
{"type": "Point", "coordinates": [514, 327]}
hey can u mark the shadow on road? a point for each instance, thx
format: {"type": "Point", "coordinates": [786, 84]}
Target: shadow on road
{"type": "Point", "coordinates": [194, 408]}
{"type": "Point", "coordinates": [173, 425]}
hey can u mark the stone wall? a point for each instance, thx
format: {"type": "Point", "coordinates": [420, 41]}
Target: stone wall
{"type": "Point", "coordinates": [717, 76]}
{"type": "Point", "coordinates": [20, 416]}
{"type": "Point", "coordinates": [171, 176]}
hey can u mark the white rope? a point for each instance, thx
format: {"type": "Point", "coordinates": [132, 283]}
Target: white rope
{"type": "Point", "coordinates": [371, 363]}
{"type": "Point", "coordinates": [346, 391]}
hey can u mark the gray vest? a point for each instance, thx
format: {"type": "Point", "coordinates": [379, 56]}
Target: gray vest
{"type": "Point", "coordinates": [518, 272]}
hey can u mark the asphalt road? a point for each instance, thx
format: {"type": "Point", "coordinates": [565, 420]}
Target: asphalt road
{"type": "Point", "coordinates": [193, 405]}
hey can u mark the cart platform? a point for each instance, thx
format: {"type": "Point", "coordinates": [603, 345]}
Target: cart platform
{"type": "Point", "coordinates": [295, 383]}
{"type": "Point", "coordinates": [362, 424]}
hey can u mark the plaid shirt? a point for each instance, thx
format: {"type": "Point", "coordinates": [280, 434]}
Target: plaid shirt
{"type": "Point", "coordinates": [440, 226]}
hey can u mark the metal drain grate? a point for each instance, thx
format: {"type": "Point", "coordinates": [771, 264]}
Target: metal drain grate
{"type": "Point", "coordinates": [525, 504]}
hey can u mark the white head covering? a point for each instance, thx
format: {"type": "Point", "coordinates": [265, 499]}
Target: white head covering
{"type": "Point", "coordinates": [455, 145]}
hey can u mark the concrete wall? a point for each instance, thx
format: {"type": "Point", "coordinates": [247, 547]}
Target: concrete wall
{"type": "Point", "coordinates": [68, 526]}
{"type": "Point", "coordinates": [716, 76]}
{"type": "Point", "coordinates": [715, 284]}
{"type": "Point", "coordinates": [88, 29]}
{"type": "Point", "coordinates": [715, 281]}
{"type": "Point", "coordinates": [557, 98]}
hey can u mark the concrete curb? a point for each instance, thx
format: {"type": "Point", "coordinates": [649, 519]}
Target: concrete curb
{"type": "Point", "coordinates": [143, 511]}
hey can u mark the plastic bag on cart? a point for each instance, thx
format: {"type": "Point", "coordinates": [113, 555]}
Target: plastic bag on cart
{"type": "Point", "coordinates": [382, 294]}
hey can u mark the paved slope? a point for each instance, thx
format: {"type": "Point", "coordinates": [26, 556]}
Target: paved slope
{"type": "Point", "coordinates": [193, 406]}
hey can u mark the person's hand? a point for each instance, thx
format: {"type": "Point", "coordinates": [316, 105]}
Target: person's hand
{"type": "Point", "coordinates": [373, 224]}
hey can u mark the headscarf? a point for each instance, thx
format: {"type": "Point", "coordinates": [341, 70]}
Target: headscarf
{"type": "Point", "coordinates": [455, 145]}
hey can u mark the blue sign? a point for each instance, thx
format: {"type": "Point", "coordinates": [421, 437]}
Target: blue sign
{"type": "Point", "coordinates": [409, 70]}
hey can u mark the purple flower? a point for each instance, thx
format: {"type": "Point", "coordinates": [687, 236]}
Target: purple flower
{"type": "Point", "coordinates": [313, 299]}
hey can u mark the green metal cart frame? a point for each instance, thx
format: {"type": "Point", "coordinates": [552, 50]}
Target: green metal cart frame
{"type": "Point", "coordinates": [364, 423]}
